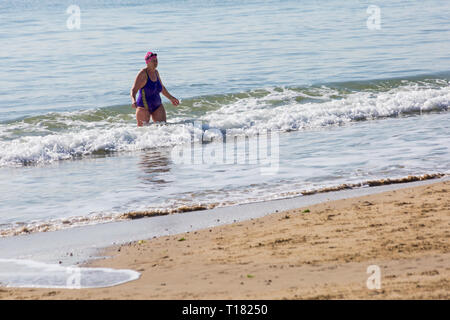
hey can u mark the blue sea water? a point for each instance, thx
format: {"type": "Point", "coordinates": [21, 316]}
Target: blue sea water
{"type": "Point", "coordinates": [350, 100]}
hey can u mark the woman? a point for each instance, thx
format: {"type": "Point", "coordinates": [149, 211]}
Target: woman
{"type": "Point", "coordinates": [148, 83]}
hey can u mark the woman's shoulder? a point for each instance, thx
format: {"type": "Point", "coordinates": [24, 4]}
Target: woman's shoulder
{"type": "Point", "coordinates": [142, 74]}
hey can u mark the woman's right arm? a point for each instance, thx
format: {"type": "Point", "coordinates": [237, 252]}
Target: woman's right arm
{"type": "Point", "coordinates": [138, 84]}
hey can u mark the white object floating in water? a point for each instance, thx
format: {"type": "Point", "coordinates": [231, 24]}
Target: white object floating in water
{"type": "Point", "coordinates": [32, 274]}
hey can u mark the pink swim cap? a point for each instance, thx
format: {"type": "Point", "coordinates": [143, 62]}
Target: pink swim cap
{"type": "Point", "coordinates": [149, 56]}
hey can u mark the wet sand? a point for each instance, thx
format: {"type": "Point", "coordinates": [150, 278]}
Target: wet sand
{"type": "Point", "coordinates": [318, 252]}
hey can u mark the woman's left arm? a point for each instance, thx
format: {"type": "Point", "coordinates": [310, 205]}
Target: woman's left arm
{"type": "Point", "coordinates": [166, 93]}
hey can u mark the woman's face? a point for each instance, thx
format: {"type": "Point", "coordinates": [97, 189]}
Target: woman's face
{"type": "Point", "coordinates": [153, 63]}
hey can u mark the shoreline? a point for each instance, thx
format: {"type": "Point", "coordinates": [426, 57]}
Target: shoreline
{"type": "Point", "coordinates": [317, 251]}
{"type": "Point", "coordinates": [74, 246]}
{"type": "Point", "coordinates": [80, 221]}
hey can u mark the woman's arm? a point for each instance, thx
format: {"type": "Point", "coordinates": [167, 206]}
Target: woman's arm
{"type": "Point", "coordinates": [166, 93]}
{"type": "Point", "coordinates": [140, 81]}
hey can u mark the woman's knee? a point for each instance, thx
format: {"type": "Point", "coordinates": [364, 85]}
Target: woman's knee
{"type": "Point", "coordinates": [142, 116]}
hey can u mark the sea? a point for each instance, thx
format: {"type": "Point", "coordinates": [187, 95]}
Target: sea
{"type": "Point", "coordinates": [277, 99]}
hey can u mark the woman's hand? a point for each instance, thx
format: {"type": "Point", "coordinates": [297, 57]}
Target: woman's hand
{"type": "Point", "coordinates": [134, 105]}
{"type": "Point", "coordinates": [174, 101]}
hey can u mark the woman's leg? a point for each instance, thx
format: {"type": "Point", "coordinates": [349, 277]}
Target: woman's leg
{"type": "Point", "coordinates": [159, 114]}
{"type": "Point", "coordinates": [142, 116]}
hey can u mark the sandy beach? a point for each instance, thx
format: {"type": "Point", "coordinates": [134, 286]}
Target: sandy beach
{"type": "Point", "coordinates": [319, 252]}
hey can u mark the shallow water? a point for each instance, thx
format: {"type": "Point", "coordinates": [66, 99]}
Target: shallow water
{"type": "Point", "coordinates": [32, 274]}
{"type": "Point", "coordinates": [102, 187]}
{"type": "Point", "coordinates": [343, 103]}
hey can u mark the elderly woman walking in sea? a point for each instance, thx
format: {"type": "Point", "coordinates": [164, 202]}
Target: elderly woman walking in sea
{"type": "Point", "coordinates": [149, 85]}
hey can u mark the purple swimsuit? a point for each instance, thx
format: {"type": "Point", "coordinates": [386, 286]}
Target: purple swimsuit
{"type": "Point", "coordinates": [149, 95]}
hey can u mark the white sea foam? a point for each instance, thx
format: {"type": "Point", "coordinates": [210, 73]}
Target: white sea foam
{"type": "Point", "coordinates": [243, 116]}
{"type": "Point", "coordinates": [32, 274]}
{"type": "Point", "coordinates": [240, 116]}
{"type": "Point", "coordinates": [35, 149]}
